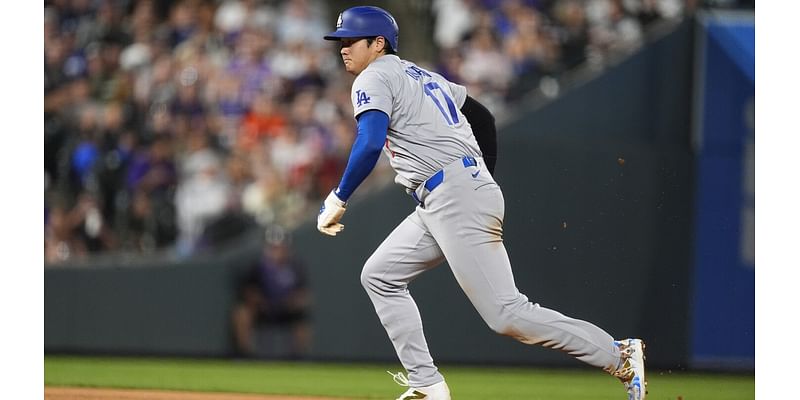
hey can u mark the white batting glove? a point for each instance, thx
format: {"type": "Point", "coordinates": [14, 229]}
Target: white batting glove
{"type": "Point", "coordinates": [329, 215]}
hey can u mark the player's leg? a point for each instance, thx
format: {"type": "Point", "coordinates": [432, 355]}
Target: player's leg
{"type": "Point", "coordinates": [465, 216]}
{"type": "Point", "coordinates": [407, 252]}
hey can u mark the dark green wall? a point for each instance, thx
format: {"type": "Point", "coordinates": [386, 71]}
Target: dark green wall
{"type": "Point", "coordinates": [589, 236]}
{"type": "Point", "coordinates": [148, 307]}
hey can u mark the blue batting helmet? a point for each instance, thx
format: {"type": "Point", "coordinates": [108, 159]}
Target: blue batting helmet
{"type": "Point", "coordinates": [366, 21]}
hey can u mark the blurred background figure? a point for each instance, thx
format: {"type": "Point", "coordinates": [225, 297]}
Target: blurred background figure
{"type": "Point", "coordinates": [60, 242]}
{"type": "Point", "coordinates": [273, 294]}
{"type": "Point", "coordinates": [202, 195]}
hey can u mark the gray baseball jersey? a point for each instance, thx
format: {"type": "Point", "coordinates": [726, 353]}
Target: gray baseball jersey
{"type": "Point", "coordinates": [459, 218]}
{"type": "Point", "coordinates": [427, 129]}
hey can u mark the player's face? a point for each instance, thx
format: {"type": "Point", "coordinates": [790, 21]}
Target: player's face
{"type": "Point", "coordinates": [357, 54]}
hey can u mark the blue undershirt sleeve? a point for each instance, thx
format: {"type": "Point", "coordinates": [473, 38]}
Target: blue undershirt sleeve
{"type": "Point", "coordinates": [370, 138]}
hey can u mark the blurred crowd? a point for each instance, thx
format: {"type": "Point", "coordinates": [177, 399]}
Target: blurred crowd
{"type": "Point", "coordinates": [503, 49]}
{"type": "Point", "coordinates": [162, 117]}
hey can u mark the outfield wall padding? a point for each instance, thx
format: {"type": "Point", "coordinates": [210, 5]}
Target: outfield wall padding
{"type": "Point", "coordinates": [152, 307]}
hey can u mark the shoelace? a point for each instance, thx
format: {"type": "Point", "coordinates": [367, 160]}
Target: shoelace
{"type": "Point", "coordinates": [625, 371]}
{"type": "Point", "coordinates": [399, 378]}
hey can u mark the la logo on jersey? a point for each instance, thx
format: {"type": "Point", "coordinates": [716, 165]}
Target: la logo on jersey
{"type": "Point", "coordinates": [361, 98]}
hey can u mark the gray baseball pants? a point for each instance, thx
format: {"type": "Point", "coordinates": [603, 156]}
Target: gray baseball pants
{"type": "Point", "coordinates": [461, 220]}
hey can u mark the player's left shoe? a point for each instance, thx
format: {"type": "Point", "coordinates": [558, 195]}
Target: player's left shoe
{"type": "Point", "coordinates": [631, 371]}
{"type": "Point", "coordinates": [437, 391]}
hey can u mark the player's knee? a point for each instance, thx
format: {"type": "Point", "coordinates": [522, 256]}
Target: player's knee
{"type": "Point", "coordinates": [500, 327]}
{"type": "Point", "coordinates": [374, 280]}
{"type": "Point", "coordinates": [511, 329]}
{"type": "Point", "coordinates": [503, 326]}
{"type": "Point", "coordinates": [365, 279]}
{"type": "Point", "coordinates": [368, 276]}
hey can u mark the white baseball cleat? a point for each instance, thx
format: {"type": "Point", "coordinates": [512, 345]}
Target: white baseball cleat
{"type": "Point", "coordinates": [631, 371]}
{"type": "Point", "coordinates": [437, 391]}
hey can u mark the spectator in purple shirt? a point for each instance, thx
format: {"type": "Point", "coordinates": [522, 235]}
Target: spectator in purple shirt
{"type": "Point", "coordinates": [275, 291]}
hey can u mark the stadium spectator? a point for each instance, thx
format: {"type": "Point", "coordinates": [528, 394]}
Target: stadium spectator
{"type": "Point", "coordinates": [274, 292]}
{"type": "Point", "coordinates": [202, 195]}
{"type": "Point", "coordinates": [60, 242]}
{"type": "Point", "coordinates": [265, 120]}
{"type": "Point", "coordinates": [146, 227]}
{"type": "Point", "coordinates": [90, 224]}
{"type": "Point", "coordinates": [240, 175]}
{"type": "Point", "coordinates": [153, 169]}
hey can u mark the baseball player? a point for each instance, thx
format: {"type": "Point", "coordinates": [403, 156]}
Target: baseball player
{"type": "Point", "coordinates": [442, 145]}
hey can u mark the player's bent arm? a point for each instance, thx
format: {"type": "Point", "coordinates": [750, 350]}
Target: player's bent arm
{"type": "Point", "coordinates": [370, 137]}
{"type": "Point", "coordinates": [483, 127]}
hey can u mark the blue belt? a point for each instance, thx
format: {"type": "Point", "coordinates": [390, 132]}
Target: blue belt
{"type": "Point", "coordinates": [436, 179]}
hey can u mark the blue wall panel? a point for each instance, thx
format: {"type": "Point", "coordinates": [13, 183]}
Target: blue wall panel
{"type": "Point", "coordinates": [723, 325]}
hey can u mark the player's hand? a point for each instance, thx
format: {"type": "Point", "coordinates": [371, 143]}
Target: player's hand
{"type": "Point", "coordinates": [329, 215]}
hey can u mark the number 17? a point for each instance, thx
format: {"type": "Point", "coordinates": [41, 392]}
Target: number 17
{"type": "Point", "coordinates": [452, 118]}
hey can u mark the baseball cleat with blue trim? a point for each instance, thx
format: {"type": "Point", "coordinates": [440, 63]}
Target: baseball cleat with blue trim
{"type": "Point", "coordinates": [631, 371]}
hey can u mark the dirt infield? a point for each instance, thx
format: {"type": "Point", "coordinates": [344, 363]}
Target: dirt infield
{"type": "Point", "coordinates": [68, 393]}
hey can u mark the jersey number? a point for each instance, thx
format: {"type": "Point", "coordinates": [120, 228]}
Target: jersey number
{"type": "Point", "coordinates": [452, 116]}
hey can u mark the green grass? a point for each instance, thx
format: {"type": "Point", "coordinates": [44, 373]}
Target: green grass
{"type": "Point", "coordinates": [370, 381]}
